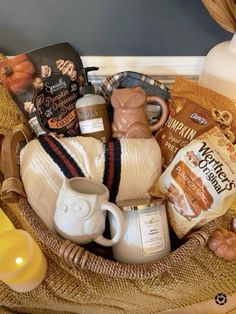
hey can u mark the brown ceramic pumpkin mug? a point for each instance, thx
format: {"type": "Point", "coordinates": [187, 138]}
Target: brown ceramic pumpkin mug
{"type": "Point", "coordinates": [130, 118]}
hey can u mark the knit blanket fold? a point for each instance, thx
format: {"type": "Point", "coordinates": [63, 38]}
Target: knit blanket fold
{"type": "Point", "coordinates": [128, 167]}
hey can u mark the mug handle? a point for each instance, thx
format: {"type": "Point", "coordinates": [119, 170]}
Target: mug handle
{"type": "Point", "coordinates": [165, 111]}
{"type": "Point", "coordinates": [120, 224]}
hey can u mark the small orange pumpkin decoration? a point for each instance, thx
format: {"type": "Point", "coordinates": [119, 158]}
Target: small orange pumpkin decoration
{"type": "Point", "coordinates": [16, 73]}
{"type": "Point", "coordinates": [223, 243]}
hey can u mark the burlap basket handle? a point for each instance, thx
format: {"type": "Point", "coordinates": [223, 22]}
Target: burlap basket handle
{"type": "Point", "coordinates": [200, 235]}
{"type": "Point", "coordinates": [77, 257]}
{"type": "Point", "coordinates": [12, 186]}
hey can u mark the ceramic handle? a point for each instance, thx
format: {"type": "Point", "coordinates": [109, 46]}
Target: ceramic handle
{"type": "Point", "coordinates": [120, 224]}
{"type": "Point", "coordinates": [165, 111]}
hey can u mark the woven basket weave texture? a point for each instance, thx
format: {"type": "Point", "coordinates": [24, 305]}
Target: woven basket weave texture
{"type": "Point", "coordinates": [79, 281]}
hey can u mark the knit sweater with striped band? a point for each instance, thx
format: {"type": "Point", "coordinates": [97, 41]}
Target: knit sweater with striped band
{"type": "Point", "coordinates": [128, 167]}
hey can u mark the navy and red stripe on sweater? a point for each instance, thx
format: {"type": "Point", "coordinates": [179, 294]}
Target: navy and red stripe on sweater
{"type": "Point", "coordinates": [69, 167]}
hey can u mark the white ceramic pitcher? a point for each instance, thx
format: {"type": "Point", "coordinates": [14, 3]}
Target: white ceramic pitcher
{"type": "Point", "coordinates": [81, 211]}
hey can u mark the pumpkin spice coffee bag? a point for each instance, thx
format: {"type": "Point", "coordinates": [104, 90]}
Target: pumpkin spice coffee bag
{"type": "Point", "coordinates": [45, 84]}
{"type": "Point", "coordinates": [200, 183]}
{"type": "Point", "coordinates": [194, 110]}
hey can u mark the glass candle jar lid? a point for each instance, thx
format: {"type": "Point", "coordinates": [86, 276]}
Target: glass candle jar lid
{"type": "Point", "coordinates": [140, 203]}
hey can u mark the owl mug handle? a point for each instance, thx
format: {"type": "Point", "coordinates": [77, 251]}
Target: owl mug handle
{"type": "Point", "coordinates": [165, 111]}
{"type": "Point", "coordinates": [114, 210]}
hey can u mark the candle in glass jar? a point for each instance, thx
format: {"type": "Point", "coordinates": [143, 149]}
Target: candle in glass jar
{"type": "Point", "coordinates": [146, 237]}
{"type": "Point", "coordinates": [22, 264]}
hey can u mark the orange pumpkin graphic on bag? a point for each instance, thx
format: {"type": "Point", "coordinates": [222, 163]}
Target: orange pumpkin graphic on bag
{"type": "Point", "coordinates": [16, 73]}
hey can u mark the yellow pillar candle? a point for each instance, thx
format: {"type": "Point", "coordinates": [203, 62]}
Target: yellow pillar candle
{"type": "Point", "coordinates": [22, 264]}
{"type": "Point", "coordinates": [5, 223]}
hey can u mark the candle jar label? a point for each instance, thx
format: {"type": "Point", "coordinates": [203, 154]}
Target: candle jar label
{"type": "Point", "coordinates": [151, 233]}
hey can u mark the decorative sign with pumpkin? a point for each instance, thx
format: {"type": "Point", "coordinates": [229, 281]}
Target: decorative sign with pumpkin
{"type": "Point", "coordinates": [16, 73]}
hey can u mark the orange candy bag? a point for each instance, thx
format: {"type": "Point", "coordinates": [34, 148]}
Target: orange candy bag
{"type": "Point", "coordinates": [200, 183]}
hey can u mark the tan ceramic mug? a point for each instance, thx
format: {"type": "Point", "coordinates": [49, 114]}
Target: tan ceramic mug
{"type": "Point", "coordinates": [81, 211]}
{"type": "Point", "coordinates": [130, 117]}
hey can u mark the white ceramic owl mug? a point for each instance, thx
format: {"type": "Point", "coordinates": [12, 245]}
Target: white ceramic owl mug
{"type": "Point", "coordinates": [81, 211]}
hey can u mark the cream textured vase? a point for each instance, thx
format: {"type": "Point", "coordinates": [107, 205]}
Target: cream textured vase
{"type": "Point", "coordinates": [219, 70]}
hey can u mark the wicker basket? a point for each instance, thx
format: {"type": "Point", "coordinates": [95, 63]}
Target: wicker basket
{"type": "Point", "coordinates": [81, 280]}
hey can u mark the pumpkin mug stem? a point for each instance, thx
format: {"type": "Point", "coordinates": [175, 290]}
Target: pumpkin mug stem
{"type": "Point", "coordinates": [7, 70]}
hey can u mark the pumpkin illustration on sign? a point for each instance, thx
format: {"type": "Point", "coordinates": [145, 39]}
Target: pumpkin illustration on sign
{"type": "Point", "coordinates": [55, 104]}
{"type": "Point", "coordinates": [16, 74]}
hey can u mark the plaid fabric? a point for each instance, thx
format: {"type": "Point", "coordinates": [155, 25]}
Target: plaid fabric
{"type": "Point", "coordinates": [132, 79]}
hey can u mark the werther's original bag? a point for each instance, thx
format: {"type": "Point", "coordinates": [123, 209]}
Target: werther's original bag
{"type": "Point", "coordinates": [200, 182]}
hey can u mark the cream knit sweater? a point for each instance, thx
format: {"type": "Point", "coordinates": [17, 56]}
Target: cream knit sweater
{"type": "Point", "coordinates": [42, 177]}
